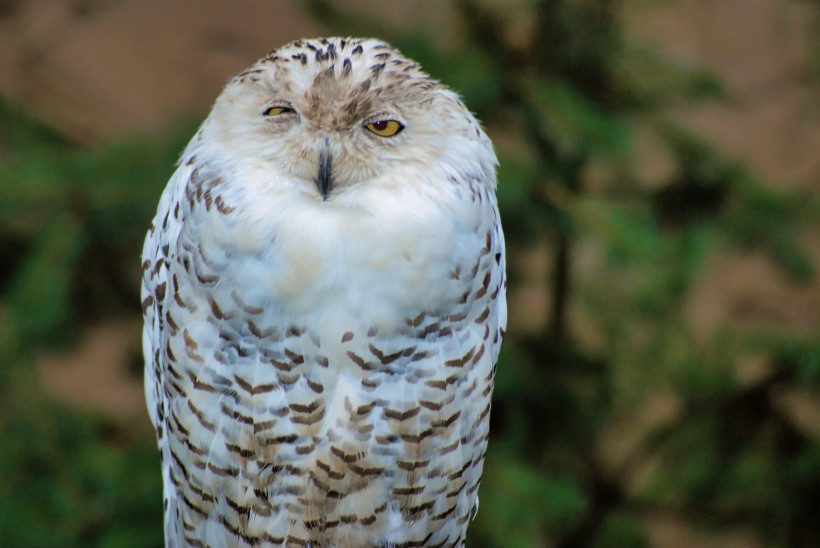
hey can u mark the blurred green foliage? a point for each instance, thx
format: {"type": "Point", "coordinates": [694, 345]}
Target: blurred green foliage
{"type": "Point", "coordinates": [71, 229]}
{"type": "Point", "coordinates": [562, 104]}
{"type": "Point", "coordinates": [69, 479]}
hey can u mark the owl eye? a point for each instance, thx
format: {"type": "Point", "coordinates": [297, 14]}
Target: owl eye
{"type": "Point", "coordinates": [275, 111]}
{"type": "Point", "coordinates": [385, 128]}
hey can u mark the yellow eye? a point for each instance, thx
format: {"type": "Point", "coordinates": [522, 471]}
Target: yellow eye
{"type": "Point", "coordinates": [385, 128]}
{"type": "Point", "coordinates": [273, 111]}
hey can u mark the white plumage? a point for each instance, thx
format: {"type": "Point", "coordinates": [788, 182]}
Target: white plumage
{"type": "Point", "coordinates": [323, 290]}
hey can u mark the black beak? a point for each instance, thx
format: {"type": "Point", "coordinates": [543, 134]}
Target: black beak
{"type": "Point", "coordinates": [324, 181]}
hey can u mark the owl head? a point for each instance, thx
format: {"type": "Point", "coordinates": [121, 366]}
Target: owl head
{"type": "Point", "coordinates": [329, 116]}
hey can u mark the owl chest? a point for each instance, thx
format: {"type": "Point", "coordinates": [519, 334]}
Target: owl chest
{"type": "Point", "coordinates": [327, 267]}
{"type": "Point", "coordinates": [326, 344]}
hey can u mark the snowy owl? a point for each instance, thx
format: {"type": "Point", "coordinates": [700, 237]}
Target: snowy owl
{"type": "Point", "coordinates": [323, 293]}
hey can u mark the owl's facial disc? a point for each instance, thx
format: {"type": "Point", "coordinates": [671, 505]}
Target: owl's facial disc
{"type": "Point", "coordinates": [324, 179]}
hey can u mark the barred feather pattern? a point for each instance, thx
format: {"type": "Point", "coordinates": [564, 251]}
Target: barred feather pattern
{"type": "Point", "coordinates": [319, 368]}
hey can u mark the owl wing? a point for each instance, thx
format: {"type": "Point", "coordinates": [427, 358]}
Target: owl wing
{"type": "Point", "coordinates": [498, 320]}
{"type": "Point", "coordinates": [158, 252]}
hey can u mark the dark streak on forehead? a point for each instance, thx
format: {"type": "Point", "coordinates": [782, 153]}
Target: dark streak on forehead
{"type": "Point", "coordinates": [347, 78]}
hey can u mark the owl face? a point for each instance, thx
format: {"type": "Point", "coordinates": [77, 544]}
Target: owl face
{"type": "Point", "coordinates": [332, 115]}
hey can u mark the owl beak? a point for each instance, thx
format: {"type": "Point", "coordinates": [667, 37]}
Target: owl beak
{"type": "Point", "coordinates": [324, 180]}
